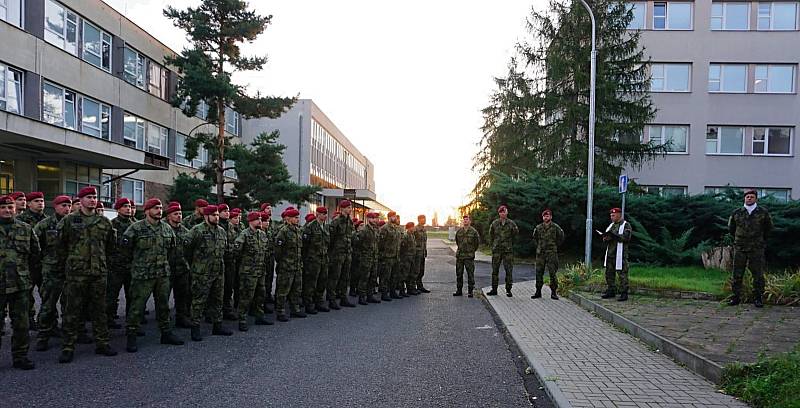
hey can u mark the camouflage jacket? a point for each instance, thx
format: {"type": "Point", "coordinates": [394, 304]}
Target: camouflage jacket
{"type": "Point", "coordinates": [750, 230]}
{"type": "Point", "coordinates": [368, 243]}
{"type": "Point", "coordinates": [31, 218]}
{"type": "Point", "coordinates": [389, 241]}
{"type": "Point", "coordinates": [47, 234]}
{"type": "Point", "coordinates": [625, 238]}
{"type": "Point", "coordinates": [315, 241]}
{"type": "Point", "coordinates": [548, 238]}
{"type": "Point", "coordinates": [178, 265]}
{"type": "Point", "coordinates": [120, 258]}
{"type": "Point", "coordinates": [421, 240]}
{"type": "Point", "coordinates": [193, 220]}
{"type": "Point", "coordinates": [151, 246]}
{"type": "Point", "coordinates": [250, 246]}
{"type": "Point", "coordinates": [341, 230]}
{"type": "Point", "coordinates": [502, 235]}
{"type": "Point", "coordinates": [85, 243]}
{"type": "Point", "coordinates": [355, 246]}
{"type": "Point", "coordinates": [408, 248]}
{"type": "Point", "coordinates": [270, 231]}
{"type": "Point", "coordinates": [467, 241]}
{"type": "Point", "coordinates": [289, 247]}
{"type": "Point", "coordinates": [205, 249]}
{"type": "Point", "coordinates": [19, 250]}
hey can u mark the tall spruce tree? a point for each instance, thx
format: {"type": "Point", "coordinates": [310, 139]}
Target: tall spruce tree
{"type": "Point", "coordinates": [537, 120]}
{"type": "Point", "coordinates": [215, 30]}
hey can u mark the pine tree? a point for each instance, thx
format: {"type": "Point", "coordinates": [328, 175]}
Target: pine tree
{"type": "Point", "coordinates": [188, 188]}
{"type": "Point", "coordinates": [216, 29]}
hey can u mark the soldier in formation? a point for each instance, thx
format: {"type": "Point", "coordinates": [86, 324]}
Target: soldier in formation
{"type": "Point", "coordinates": [502, 233]}
{"type": "Point", "coordinates": [467, 241]}
{"type": "Point", "coordinates": [547, 236]}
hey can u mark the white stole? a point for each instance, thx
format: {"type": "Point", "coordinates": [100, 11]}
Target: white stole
{"type": "Point", "coordinates": [618, 264]}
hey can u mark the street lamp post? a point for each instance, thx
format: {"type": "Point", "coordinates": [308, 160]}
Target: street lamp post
{"type": "Point", "coordinates": [590, 173]}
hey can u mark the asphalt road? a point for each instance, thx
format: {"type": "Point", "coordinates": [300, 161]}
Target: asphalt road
{"type": "Point", "coordinates": [431, 350]}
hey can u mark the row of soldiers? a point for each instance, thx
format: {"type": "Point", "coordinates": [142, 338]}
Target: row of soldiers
{"type": "Point", "coordinates": [212, 265]}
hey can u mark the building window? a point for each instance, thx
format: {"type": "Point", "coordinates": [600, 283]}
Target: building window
{"type": "Point", "coordinates": [134, 68]}
{"type": "Point", "coordinates": [78, 176]}
{"type": "Point", "coordinates": [670, 78]}
{"type": "Point", "coordinates": [674, 138]}
{"type": "Point", "coordinates": [231, 173]}
{"type": "Point", "coordinates": [666, 191]}
{"type": "Point", "coordinates": [202, 110]}
{"type": "Point", "coordinates": [201, 159]}
{"type": "Point", "coordinates": [58, 106]}
{"type": "Point", "coordinates": [180, 150]}
{"type": "Point", "coordinates": [725, 140]}
{"type": "Point", "coordinates": [730, 16]}
{"type": "Point", "coordinates": [133, 189]}
{"type": "Point", "coordinates": [772, 141]}
{"type": "Point", "coordinates": [157, 80]}
{"type": "Point", "coordinates": [638, 10]}
{"type": "Point", "coordinates": [10, 89]}
{"type": "Point", "coordinates": [157, 137]}
{"type": "Point", "coordinates": [232, 121]}
{"type": "Point", "coordinates": [727, 78]}
{"type": "Point", "coordinates": [778, 194]}
{"type": "Point", "coordinates": [96, 47]}
{"type": "Point", "coordinates": [774, 79]}
{"type": "Point", "coordinates": [11, 12]}
{"type": "Point", "coordinates": [48, 178]}
{"type": "Point", "coordinates": [61, 27]}
{"type": "Point", "coordinates": [106, 189]}
{"type": "Point", "coordinates": [134, 132]}
{"type": "Point", "coordinates": [672, 16]}
{"type": "Point", "coordinates": [95, 118]}
{"type": "Point", "coordinates": [777, 16]}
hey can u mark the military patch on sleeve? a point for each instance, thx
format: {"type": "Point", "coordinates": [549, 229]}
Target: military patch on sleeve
{"type": "Point", "coordinates": [126, 241]}
{"type": "Point", "coordinates": [279, 242]}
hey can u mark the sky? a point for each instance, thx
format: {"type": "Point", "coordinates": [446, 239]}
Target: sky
{"type": "Point", "coordinates": [404, 81]}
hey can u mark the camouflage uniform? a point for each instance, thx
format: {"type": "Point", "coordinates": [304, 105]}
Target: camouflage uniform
{"type": "Point", "coordinates": [19, 250]}
{"type": "Point", "coordinates": [749, 241]}
{"type": "Point", "coordinates": [322, 277]}
{"type": "Point", "coordinates": [355, 267]}
{"type": "Point", "coordinates": [388, 250]}
{"type": "Point", "coordinates": [289, 280]}
{"type": "Point", "coordinates": [180, 277]}
{"type": "Point", "coordinates": [193, 220]}
{"type": "Point", "coordinates": [231, 284]}
{"type": "Point", "coordinates": [150, 246]}
{"type": "Point", "coordinates": [250, 248]}
{"type": "Point", "coordinates": [315, 252]}
{"type": "Point", "coordinates": [119, 276]}
{"type": "Point", "coordinates": [408, 250]}
{"type": "Point", "coordinates": [269, 266]}
{"type": "Point", "coordinates": [368, 258]}
{"type": "Point", "coordinates": [611, 256]}
{"type": "Point", "coordinates": [341, 230]}
{"type": "Point", "coordinates": [421, 240]}
{"type": "Point", "coordinates": [467, 241]}
{"type": "Point", "coordinates": [52, 276]}
{"type": "Point", "coordinates": [501, 239]}
{"type": "Point", "coordinates": [33, 218]}
{"type": "Point", "coordinates": [85, 243]}
{"type": "Point", "coordinates": [547, 237]}
{"type": "Point", "coordinates": [205, 249]}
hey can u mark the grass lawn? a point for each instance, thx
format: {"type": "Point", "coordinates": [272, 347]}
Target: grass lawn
{"type": "Point", "coordinates": [772, 382]}
{"type": "Point", "coordinates": [686, 278]}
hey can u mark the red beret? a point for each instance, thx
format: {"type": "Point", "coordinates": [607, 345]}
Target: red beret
{"type": "Point", "coordinates": [34, 195]}
{"type": "Point", "coordinates": [253, 215]}
{"type": "Point", "coordinates": [6, 200]}
{"type": "Point", "coordinates": [223, 207]}
{"type": "Point", "coordinates": [200, 203]}
{"type": "Point", "coordinates": [99, 205]}
{"type": "Point", "coordinates": [356, 223]}
{"type": "Point", "coordinates": [236, 210]}
{"type": "Point", "coordinates": [151, 203]}
{"type": "Point", "coordinates": [87, 191]}
{"type": "Point", "coordinates": [410, 225]}
{"type": "Point", "coordinates": [502, 208]}
{"type": "Point", "coordinates": [321, 210]}
{"type": "Point", "coordinates": [391, 214]}
{"type": "Point", "coordinates": [265, 205]}
{"type": "Point", "coordinates": [616, 210]}
{"type": "Point", "coordinates": [76, 200]}
{"type": "Point", "coordinates": [61, 200]}
{"type": "Point", "coordinates": [310, 217]}
{"type": "Point", "coordinates": [264, 216]}
{"type": "Point", "coordinates": [381, 223]}
{"type": "Point", "coordinates": [372, 215]}
{"type": "Point", "coordinates": [17, 194]}
{"type": "Point", "coordinates": [121, 202]}
{"type": "Point", "coordinates": [173, 208]}
{"type": "Point", "coordinates": [547, 211]}
{"type": "Point", "coordinates": [292, 212]}
{"type": "Point", "coordinates": [344, 203]}
{"type": "Point", "coordinates": [210, 209]}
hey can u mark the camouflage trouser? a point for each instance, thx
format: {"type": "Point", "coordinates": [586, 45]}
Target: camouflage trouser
{"type": "Point", "coordinates": [231, 285]}
{"type": "Point", "coordinates": [288, 285]}
{"type": "Point", "coordinates": [403, 268]}
{"type": "Point", "coordinates": [118, 278]}
{"type": "Point", "coordinates": [548, 262]}
{"type": "Point", "coordinates": [611, 276]}
{"type": "Point", "coordinates": [469, 265]}
{"type": "Point", "coordinates": [507, 259]}
{"type": "Point", "coordinates": [84, 294]}
{"type": "Point", "coordinates": [251, 295]}
{"type": "Point", "coordinates": [338, 275]}
{"type": "Point", "coordinates": [269, 275]}
{"type": "Point", "coordinates": [182, 294]}
{"type": "Point", "coordinates": [388, 271]}
{"type": "Point", "coordinates": [207, 291]}
{"type": "Point", "coordinates": [369, 276]}
{"type": "Point", "coordinates": [322, 280]}
{"type": "Point", "coordinates": [36, 282]}
{"type": "Point", "coordinates": [311, 270]}
{"type": "Point", "coordinates": [420, 267]}
{"type": "Point", "coordinates": [752, 258]}
{"type": "Point", "coordinates": [140, 291]}
{"type": "Point", "coordinates": [52, 286]}
{"type": "Point", "coordinates": [18, 310]}
{"type": "Point", "coordinates": [355, 273]}
{"type": "Point", "coordinates": [411, 277]}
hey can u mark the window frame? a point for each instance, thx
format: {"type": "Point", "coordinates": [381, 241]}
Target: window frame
{"type": "Point", "coordinates": [104, 118]}
{"type": "Point", "coordinates": [665, 78]}
{"type": "Point", "coordinates": [660, 190]}
{"type": "Point", "coordinates": [630, 6]}
{"type": "Point", "coordinates": [137, 186]}
{"type": "Point", "coordinates": [65, 92]}
{"type": "Point", "coordinates": [139, 124]}
{"type": "Point", "coordinates": [662, 134]}
{"type": "Point", "coordinates": [765, 142]}
{"type": "Point", "coordinates": [161, 138]}
{"type": "Point", "coordinates": [138, 78]}
{"type": "Point", "coordinates": [20, 4]}
{"type": "Point", "coordinates": [771, 16]}
{"type": "Point", "coordinates": [8, 83]}
{"type": "Point", "coordinates": [724, 17]}
{"type": "Point", "coordinates": [718, 151]}
{"type": "Point", "coordinates": [106, 45]}
{"type": "Point", "coordinates": [61, 39]}
{"type": "Point", "coordinates": [721, 79]}
{"type": "Point", "coordinates": [667, 25]}
{"type": "Point", "coordinates": [158, 88]}
{"type": "Point", "coordinates": [767, 78]}
{"type": "Point", "coordinates": [180, 150]}
{"type": "Point", "coordinates": [230, 113]}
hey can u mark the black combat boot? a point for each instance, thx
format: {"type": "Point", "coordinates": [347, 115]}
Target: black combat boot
{"type": "Point", "coordinates": [170, 338]}
{"type": "Point", "coordinates": [23, 363]}
{"type": "Point", "coordinates": [608, 294]}
{"type": "Point", "coordinates": [84, 338]}
{"type": "Point", "coordinates": [130, 344]}
{"type": "Point", "coordinates": [311, 309]}
{"type": "Point", "coordinates": [282, 317]}
{"type": "Point", "coordinates": [458, 292]}
{"type": "Point", "coordinates": [413, 292]}
{"type": "Point", "coordinates": [196, 334]}
{"type": "Point", "coordinates": [385, 297]}
{"type": "Point", "coordinates": [371, 299]}
{"type": "Point", "coordinates": [218, 330]}
{"type": "Point", "coordinates": [757, 302]}
{"type": "Point", "coordinates": [298, 314]}
{"type": "Point", "coordinates": [469, 291]}
{"type": "Point", "coordinates": [345, 302]}
{"type": "Point", "coordinates": [492, 292]}
{"type": "Point", "coordinates": [422, 289]}
{"type": "Point", "coordinates": [622, 297]}
{"type": "Point", "coordinates": [394, 295]}
{"type": "Point", "coordinates": [322, 308]}
{"type": "Point", "coordinates": [32, 325]}
{"type": "Point", "coordinates": [333, 305]}
{"type": "Point", "coordinates": [243, 327]}
{"type": "Point", "coordinates": [268, 308]}
{"type": "Point", "coordinates": [353, 292]}
{"type": "Point", "coordinates": [105, 350]}
{"type": "Point", "coordinates": [403, 293]}
{"type": "Point", "coordinates": [230, 315]}
{"type": "Point", "coordinates": [42, 344]}
{"type": "Point", "coordinates": [508, 293]}
{"type": "Point", "coordinates": [553, 294]}
{"type": "Point", "coordinates": [183, 323]}
{"type": "Point", "coordinates": [362, 300]}
{"type": "Point", "coordinates": [112, 324]}
{"type": "Point", "coordinates": [66, 357]}
{"type": "Point", "coordinates": [734, 301]}
{"type": "Point", "coordinates": [538, 293]}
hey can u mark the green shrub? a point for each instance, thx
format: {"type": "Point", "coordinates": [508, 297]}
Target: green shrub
{"type": "Point", "coordinates": [772, 382]}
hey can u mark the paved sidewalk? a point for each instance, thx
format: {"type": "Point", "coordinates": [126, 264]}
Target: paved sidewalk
{"type": "Point", "coordinates": [480, 256]}
{"type": "Point", "coordinates": [587, 363]}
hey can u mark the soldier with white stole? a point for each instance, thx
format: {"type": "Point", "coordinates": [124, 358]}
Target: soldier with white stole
{"type": "Point", "coordinates": [616, 236]}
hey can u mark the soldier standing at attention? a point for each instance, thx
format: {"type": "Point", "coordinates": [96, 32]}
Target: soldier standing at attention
{"type": "Point", "coordinates": [388, 250]}
{"type": "Point", "coordinates": [76, 205]}
{"type": "Point", "coordinates": [236, 227]}
{"type": "Point", "coordinates": [19, 250]}
{"type": "Point", "coordinates": [315, 250]}
{"type": "Point", "coordinates": [502, 233]}
{"type": "Point", "coordinates": [180, 278]}
{"type": "Point", "coordinates": [85, 241]}
{"type": "Point", "coordinates": [20, 202]}
{"type": "Point", "coordinates": [205, 248]}
{"type": "Point", "coordinates": [288, 254]}
{"type": "Point", "coordinates": [617, 236]}
{"type": "Point", "coordinates": [341, 230]}
{"type": "Point", "coordinates": [250, 248]}
{"type": "Point", "coordinates": [119, 276]}
{"type": "Point", "coordinates": [52, 272]}
{"type": "Point", "coordinates": [32, 215]}
{"type": "Point", "coordinates": [408, 249]}
{"type": "Point", "coordinates": [269, 266]}
{"type": "Point", "coordinates": [467, 241]}
{"type": "Point", "coordinates": [151, 243]}
{"type": "Point", "coordinates": [368, 244]}
{"type": "Point", "coordinates": [421, 239]}
{"type": "Point", "coordinates": [197, 217]}
{"type": "Point", "coordinates": [355, 271]}
{"type": "Point", "coordinates": [230, 272]}
{"type": "Point", "coordinates": [547, 236]}
{"type": "Point", "coordinates": [749, 226]}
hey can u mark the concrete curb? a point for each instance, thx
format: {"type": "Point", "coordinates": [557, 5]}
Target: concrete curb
{"type": "Point", "coordinates": [691, 360]}
{"type": "Point", "coordinates": [544, 376]}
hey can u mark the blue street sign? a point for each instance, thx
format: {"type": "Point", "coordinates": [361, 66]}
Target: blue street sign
{"type": "Point", "coordinates": [623, 183]}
